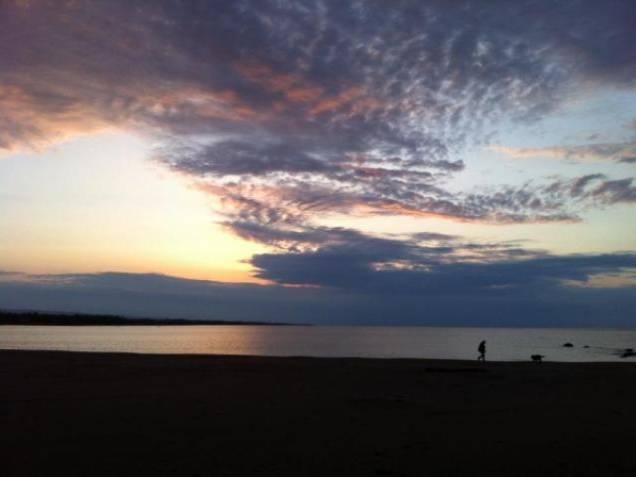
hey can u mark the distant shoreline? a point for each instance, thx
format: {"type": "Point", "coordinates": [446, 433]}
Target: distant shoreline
{"type": "Point", "coordinates": [33, 318]}
{"type": "Point", "coordinates": [436, 365]}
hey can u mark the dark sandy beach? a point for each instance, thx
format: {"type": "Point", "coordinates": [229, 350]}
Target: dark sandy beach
{"type": "Point", "coordinates": [108, 414]}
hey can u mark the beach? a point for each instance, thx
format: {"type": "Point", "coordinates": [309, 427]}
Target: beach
{"type": "Point", "coordinates": [125, 414]}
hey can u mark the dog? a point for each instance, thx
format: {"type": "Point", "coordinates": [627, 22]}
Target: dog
{"type": "Point", "coordinates": [537, 358]}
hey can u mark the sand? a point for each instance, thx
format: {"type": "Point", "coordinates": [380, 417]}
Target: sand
{"type": "Point", "coordinates": [121, 414]}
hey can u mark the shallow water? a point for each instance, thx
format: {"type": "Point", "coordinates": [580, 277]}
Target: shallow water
{"type": "Point", "coordinates": [504, 344]}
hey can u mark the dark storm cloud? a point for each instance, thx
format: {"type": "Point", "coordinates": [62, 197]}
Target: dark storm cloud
{"type": "Point", "coordinates": [423, 264]}
{"type": "Point", "coordinates": [387, 267]}
{"type": "Point", "coordinates": [151, 295]}
{"type": "Point", "coordinates": [163, 296]}
{"type": "Point", "coordinates": [364, 102]}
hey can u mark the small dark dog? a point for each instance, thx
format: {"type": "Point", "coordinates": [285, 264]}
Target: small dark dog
{"type": "Point", "coordinates": [537, 358]}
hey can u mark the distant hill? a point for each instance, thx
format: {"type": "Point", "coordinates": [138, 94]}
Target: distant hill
{"type": "Point", "coordinates": [77, 319]}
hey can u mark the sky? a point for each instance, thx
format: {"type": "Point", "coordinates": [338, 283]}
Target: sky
{"type": "Point", "coordinates": [319, 161]}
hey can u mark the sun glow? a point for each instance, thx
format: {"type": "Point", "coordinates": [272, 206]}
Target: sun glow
{"type": "Point", "coordinates": [97, 203]}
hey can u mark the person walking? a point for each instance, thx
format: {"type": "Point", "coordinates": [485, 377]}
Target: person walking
{"type": "Point", "coordinates": [482, 351]}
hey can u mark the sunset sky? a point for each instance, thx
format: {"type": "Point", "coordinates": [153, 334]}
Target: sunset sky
{"type": "Point", "coordinates": [403, 162]}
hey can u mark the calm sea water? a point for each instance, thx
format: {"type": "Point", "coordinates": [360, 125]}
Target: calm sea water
{"type": "Point", "coordinates": [504, 344]}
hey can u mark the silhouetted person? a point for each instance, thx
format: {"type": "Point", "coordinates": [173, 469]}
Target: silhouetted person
{"type": "Point", "coordinates": [482, 351]}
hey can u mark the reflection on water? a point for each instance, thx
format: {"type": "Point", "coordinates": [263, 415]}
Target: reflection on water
{"type": "Point", "coordinates": [504, 344]}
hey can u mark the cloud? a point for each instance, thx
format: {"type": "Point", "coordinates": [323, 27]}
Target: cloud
{"type": "Point", "coordinates": [350, 260]}
{"type": "Point", "coordinates": [34, 119]}
{"type": "Point", "coordinates": [595, 188]}
{"type": "Point", "coordinates": [287, 111]}
{"type": "Point", "coordinates": [242, 158]}
{"type": "Point", "coordinates": [385, 273]}
{"type": "Point", "coordinates": [152, 295]}
{"type": "Point", "coordinates": [363, 104]}
{"type": "Point", "coordinates": [616, 191]}
{"type": "Point", "coordinates": [617, 152]}
{"type": "Point", "coordinates": [286, 200]}
{"type": "Point", "coordinates": [147, 295]}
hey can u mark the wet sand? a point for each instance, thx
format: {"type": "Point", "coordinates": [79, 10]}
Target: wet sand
{"type": "Point", "coordinates": [118, 414]}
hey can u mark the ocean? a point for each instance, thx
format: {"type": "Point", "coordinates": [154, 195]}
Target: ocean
{"type": "Point", "coordinates": [503, 344]}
